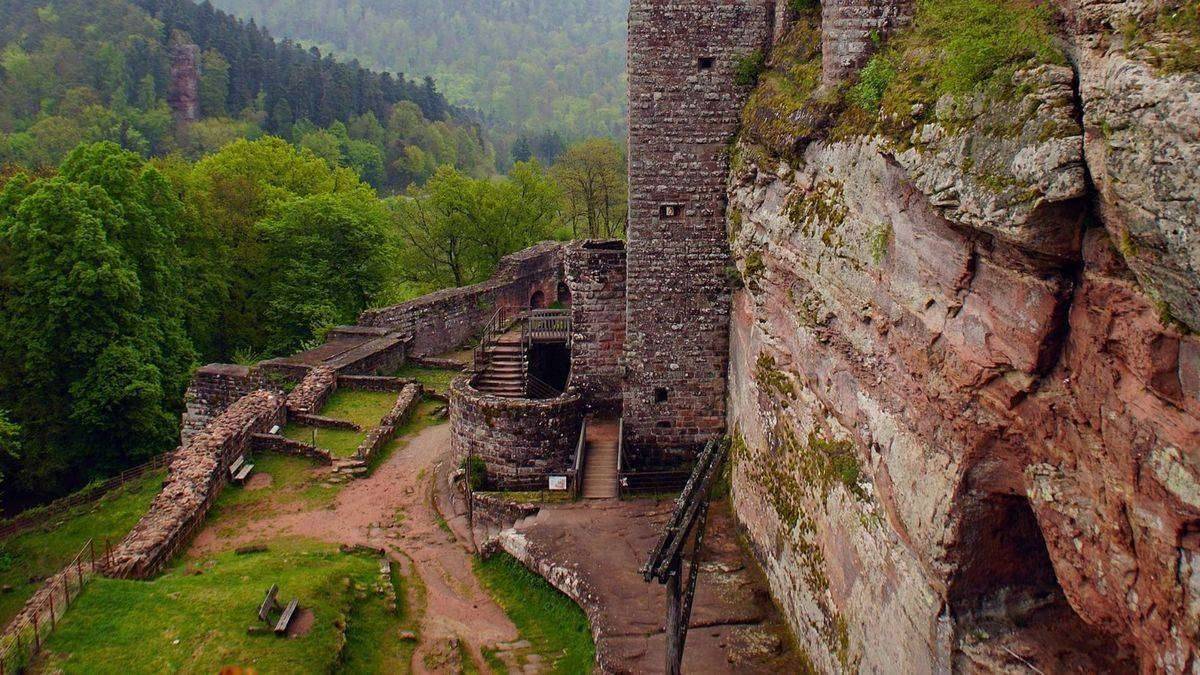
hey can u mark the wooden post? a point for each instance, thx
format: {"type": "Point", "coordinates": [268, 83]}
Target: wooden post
{"type": "Point", "coordinates": [37, 639]}
{"type": "Point", "coordinates": [674, 622]}
{"type": "Point", "coordinates": [52, 609]}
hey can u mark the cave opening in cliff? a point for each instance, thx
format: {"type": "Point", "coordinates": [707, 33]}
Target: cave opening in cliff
{"type": "Point", "coordinates": [1007, 601]}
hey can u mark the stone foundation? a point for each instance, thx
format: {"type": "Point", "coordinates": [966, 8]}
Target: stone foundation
{"type": "Point", "coordinates": [310, 395]}
{"type": "Point", "coordinates": [213, 389]}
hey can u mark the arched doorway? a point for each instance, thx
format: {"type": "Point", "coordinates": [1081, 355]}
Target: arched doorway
{"type": "Point", "coordinates": [538, 301]}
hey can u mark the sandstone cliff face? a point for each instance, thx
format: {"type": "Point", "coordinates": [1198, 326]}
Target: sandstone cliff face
{"type": "Point", "coordinates": [965, 382]}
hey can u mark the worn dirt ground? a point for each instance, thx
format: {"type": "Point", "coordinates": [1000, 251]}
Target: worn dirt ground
{"type": "Point", "coordinates": [393, 510]}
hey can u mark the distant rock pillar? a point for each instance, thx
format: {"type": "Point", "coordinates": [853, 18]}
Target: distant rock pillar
{"type": "Point", "coordinates": [184, 92]}
{"type": "Point", "coordinates": [851, 31]}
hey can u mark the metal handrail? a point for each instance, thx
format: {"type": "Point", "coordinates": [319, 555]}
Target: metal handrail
{"type": "Point", "coordinates": [535, 388]}
{"type": "Point", "coordinates": [620, 456]}
{"type": "Point", "coordinates": [579, 448]}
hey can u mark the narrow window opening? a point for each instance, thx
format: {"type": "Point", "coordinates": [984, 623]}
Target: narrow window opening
{"type": "Point", "coordinates": [706, 62]}
{"type": "Point", "coordinates": [670, 211]}
{"type": "Point", "coordinates": [661, 395]}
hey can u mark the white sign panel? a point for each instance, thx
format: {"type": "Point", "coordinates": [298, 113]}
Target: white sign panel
{"type": "Point", "coordinates": [558, 483]}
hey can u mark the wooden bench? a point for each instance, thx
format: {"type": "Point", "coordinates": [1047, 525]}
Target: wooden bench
{"type": "Point", "coordinates": [271, 604]}
{"type": "Point", "coordinates": [281, 626]}
{"type": "Point", "coordinates": [240, 470]}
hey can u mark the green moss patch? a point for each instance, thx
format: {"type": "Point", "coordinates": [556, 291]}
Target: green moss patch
{"type": "Point", "coordinates": [1171, 41]}
{"type": "Point", "coordinates": [28, 558]}
{"type": "Point", "coordinates": [954, 47]}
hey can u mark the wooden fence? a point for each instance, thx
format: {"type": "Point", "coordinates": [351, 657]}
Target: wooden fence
{"type": "Point", "coordinates": [37, 517]}
{"type": "Point", "coordinates": [25, 636]}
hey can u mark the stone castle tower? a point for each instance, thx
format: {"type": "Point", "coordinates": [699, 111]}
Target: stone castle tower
{"type": "Point", "coordinates": [684, 108]}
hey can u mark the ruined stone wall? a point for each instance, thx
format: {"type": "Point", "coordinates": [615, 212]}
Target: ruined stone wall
{"type": "Point", "coordinates": [595, 273]}
{"type": "Point", "coordinates": [310, 395]}
{"type": "Point", "coordinates": [684, 108]}
{"type": "Point", "coordinates": [385, 431]}
{"type": "Point", "coordinates": [184, 90]}
{"type": "Point", "coordinates": [445, 320]}
{"type": "Point", "coordinates": [521, 441]}
{"type": "Point", "coordinates": [213, 389]}
{"type": "Point", "coordinates": [195, 478]}
{"type": "Point", "coordinates": [852, 30]}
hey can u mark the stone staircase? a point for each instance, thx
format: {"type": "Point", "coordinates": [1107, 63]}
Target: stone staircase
{"type": "Point", "coordinates": [504, 375]}
{"type": "Point", "coordinates": [600, 460]}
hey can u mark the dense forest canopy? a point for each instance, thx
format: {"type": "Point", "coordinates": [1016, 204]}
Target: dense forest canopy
{"type": "Point", "coordinates": [537, 65]}
{"type": "Point", "coordinates": [74, 71]}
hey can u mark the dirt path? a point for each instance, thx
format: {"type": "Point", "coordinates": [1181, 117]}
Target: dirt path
{"type": "Point", "coordinates": [393, 510]}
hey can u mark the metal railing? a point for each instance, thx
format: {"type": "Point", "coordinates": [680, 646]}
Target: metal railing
{"type": "Point", "coordinates": [537, 389]}
{"type": "Point", "coordinates": [620, 458]}
{"type": "Point", "coordinates": [25, 636]}
{"type": "Point", "coordinates": [547, 324]}
{"type": "Point", "coordinates": [577, 486]}
{"type": "Point", "coordinates": [630, 483]}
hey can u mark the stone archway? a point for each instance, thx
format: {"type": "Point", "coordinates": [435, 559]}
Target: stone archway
{"type": "Point", "coordinates": [538, 300]}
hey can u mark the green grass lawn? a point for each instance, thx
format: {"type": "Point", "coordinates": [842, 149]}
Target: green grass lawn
{"type": "Point", "coordinates": [434, 379]}
{"type": "Point", "coordinates": [341, 443]}
{"type": "Point", "coordinates": [293, 482]}
{"type": "Point", "coordinates": [552, 622]}
{"type": "Point", "coordinates": [194, 618]}
{"type": "Point", "coordinates": [27, 558]}
{"type": "Point", "coordinates": [364, 408]}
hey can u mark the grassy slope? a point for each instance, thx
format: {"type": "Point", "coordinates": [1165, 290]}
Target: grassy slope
{"type": "Point", "coordinates": [43, 552]}
{"type": "Point", "coordinates": [194, 618]}
{"type": "Point", "coordinates": [552, 622]}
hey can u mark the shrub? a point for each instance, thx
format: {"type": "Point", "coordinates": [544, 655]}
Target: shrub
{"type": "Point", "coordinates": [749, 68]}
{"type": "Point", "coordinates": [476, 470]}
{"type": "Point", "coordinates": [872, 82]}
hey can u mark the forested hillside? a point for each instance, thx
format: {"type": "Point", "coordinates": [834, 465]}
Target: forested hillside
{"type": "Point", "coordinates": [537, 64]}
{"type": "Point", "coordinates": [75, 71]}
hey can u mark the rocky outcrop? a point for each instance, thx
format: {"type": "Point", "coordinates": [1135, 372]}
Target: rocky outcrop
{"type": "Point", "coordinates": [1141, 113]}
{"type": "Point", "coordinates": [964, 377]}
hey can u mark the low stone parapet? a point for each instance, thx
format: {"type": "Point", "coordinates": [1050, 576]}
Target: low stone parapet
{"type": "Point", "coordinates": [286, 446]}
{"type": "Point", "coordinates": [522, 441]}
{"type": "Point", "coordinates": [373, 383]}
{"type": "Point", "coordinates": [195, 478]}
{"type": "Point", "coordinates": [391, 423]}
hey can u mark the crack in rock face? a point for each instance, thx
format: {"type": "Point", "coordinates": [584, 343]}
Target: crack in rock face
{"type": "Point", "coordinates": [965, 379]}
